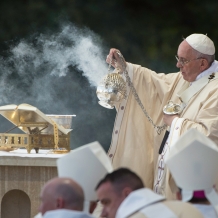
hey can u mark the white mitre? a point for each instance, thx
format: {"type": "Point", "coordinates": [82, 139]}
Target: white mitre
{"type": "Point", "coordinates": [193, 162]}
{"type": "Point", "coordinates": [201, 43]}
{"type": "Point", "coordinates": [38, 215]}
{"type": "Point", "coordinates": [87, 165]}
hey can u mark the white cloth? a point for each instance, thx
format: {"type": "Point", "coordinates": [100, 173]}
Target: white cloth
{"type": "Point", "coordinates": [161, 168]}
{"type": "Point", "coordinates": [153, 211]}
{"type": "Point", "coordinates": [64, 213]}
{"type": "Point", "coordinates": [38, 215]}
{"type": "Point", "coordinates": [97, 163]}
{"type": "Point", "coordinates": [212, 69]}
{"type": "Point", "coordinates": [161, 172]}
{"type": "Point", "coordinates": [201, 43]}
{"type": "Point", "coordinates": [145, 203]}
{"type": "Point", "coordinates": [20, 157]}
{"type": "Point", "coordinates": [207, 210]}
{"type": "Point", "coordinates": [136, 201]}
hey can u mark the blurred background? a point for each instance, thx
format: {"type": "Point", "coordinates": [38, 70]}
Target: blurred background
{"type": "Point", "coordinates": [52, 52]}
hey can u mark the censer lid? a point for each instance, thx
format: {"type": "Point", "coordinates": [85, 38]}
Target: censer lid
{"type": "Point", "coordinates": [27, 118]}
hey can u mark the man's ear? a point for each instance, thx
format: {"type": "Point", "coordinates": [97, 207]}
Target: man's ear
{"type": "Point", "coordinates": [60, 203]}
{"type": "Point", "coordinates": [204, 64]}
{"type": "Point", "coordinates": [92, 206]}
{"type": "Point", "coordinates": [126, 191]}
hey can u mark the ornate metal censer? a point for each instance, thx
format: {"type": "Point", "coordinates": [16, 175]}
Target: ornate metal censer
{"type": "Point", "coordinates": [113, 90]}
{"type": "Point", "coordinates": [41, 131]}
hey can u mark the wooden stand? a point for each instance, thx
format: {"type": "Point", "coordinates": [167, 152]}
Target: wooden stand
{"type": "Point", "coordinates": [22, 177]}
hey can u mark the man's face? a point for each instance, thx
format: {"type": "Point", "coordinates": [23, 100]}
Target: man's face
{"type": "Point", "coordinates": [191, 69]}
{"type": "Point", "coordinates": [110, 199]}
{"type": "Point", "coordinates": [47, 201]}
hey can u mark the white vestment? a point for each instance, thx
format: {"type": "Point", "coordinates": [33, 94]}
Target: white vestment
{"type": "Point", "coordinates": [186, 94]}
{"type": "Point", "coordinates": [145, 203]}
{"type": "Point", "coordinates": [208, 211]}
{"type": "Point", "coordinates": [64, 213]}
{"type": "Point", "coordinates": [135, 143]}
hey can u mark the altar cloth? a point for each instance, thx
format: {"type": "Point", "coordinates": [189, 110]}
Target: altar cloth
{"type": "Point", "coordinates": [20, 157]}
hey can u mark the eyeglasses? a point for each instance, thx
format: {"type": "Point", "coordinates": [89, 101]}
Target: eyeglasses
{"type": "Point", "coordinates": [184, 62]}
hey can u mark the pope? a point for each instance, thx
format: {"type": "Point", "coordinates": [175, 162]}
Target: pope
{"type": "Point", "coordinates": [135, 142]}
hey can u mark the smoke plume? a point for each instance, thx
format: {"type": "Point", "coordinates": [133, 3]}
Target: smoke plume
{"type": "Point", "coordinates": [58, 73]}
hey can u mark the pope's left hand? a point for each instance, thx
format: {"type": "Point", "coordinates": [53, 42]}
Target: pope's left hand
{"type": "Point", "coordinates": [168, 119]}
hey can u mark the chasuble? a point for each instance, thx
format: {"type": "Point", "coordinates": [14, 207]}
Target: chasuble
{"type": "Point", "coordinates": [135, 143]}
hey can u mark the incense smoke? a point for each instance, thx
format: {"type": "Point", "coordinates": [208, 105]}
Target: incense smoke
{"type": "Point", "coordinates": [34, 63]}
{"type": "Point", "coordinates": [58, 73]}
{"type": "Point", "coordinates": [70, 47]}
